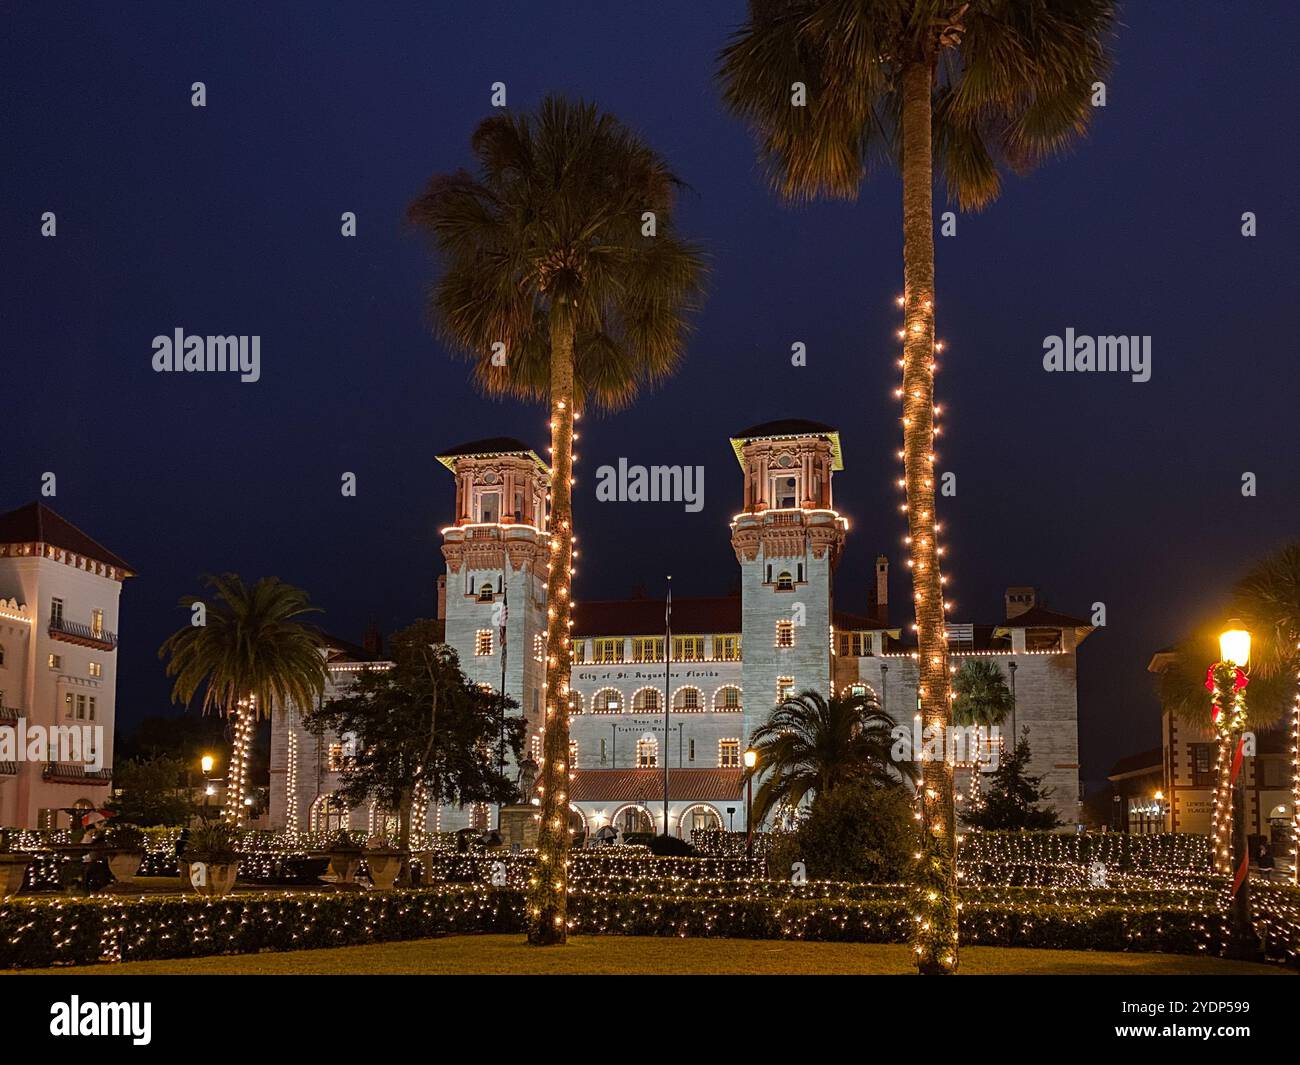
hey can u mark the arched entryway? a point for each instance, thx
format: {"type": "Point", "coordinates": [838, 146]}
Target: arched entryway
{"type": "Point", "coordinates": [699, 817]}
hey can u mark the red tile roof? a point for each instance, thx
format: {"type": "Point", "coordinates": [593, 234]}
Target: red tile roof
{"type": "Point", "coordinates": [645, 617]}
{"type": "Point", "coordinates": [1039, 617]}
{"type": "Point", "coordinates": [37, 523]}
{"type": "Point", "coordinates": [647, 785]}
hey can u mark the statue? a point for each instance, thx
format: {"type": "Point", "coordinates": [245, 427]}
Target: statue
{"type": "Point", "coordinates": [527, 779]}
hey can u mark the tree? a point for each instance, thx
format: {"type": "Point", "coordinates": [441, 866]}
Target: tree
{"type": "Point", "coordinates": [565, 281]}
{"type": "Point", "coordinates": [1011, 802]}
{"type": "Point", "coordinates": [249, 651]}
{"type": "Point", "coordinates": [855, 833]}
{"type": "Point", "coordinates": [811, 746]}
{"type": "Point", "coordinates": [422, 732]}
{"type": "Point", "coordinates": [833, 87]}
{"type": "Point", "coordinates": [150, 791]}
{"type": "Point", "coordinates": [1267, 599]}
{"type": "Point", "coordinates": [981, 695]}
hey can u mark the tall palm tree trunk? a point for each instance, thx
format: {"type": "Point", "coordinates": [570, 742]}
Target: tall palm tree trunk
{"type": "Point", "coordinates": [936, 935]}
{"type": "Point", "coordinates": [549, 888]}
{"type": "Point", "coordinates": [235, 782]}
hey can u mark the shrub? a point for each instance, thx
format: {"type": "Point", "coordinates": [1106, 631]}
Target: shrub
{"type": "Point", "coordinates": [213, 841]}
{"type": "Point", "coordinates": [853, 834]}
{"type": "Point", "coordinates": [671, 847]}
{"type": "Point", "coordinates": [124, 837]}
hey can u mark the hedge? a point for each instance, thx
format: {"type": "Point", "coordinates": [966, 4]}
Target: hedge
{"type": "Point", "coordinates": [45, 931]}
{"type": "Point", "coordinates": [1165, 851]}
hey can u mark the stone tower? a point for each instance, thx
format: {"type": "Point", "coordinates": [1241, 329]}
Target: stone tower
{"type": "Point", "coordinates": [787, 538]}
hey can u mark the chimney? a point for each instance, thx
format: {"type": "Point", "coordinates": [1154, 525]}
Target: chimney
{"type": "Point", "coordinates": [373, 641]}
{"type": "Point", "coordinates": [1020, 599]}
{"type": "Point", "coordinates": [879, 598]}
{"type": "Point", "coordinates": [442, 597]}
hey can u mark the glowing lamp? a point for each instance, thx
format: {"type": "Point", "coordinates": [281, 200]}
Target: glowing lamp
{"type": "Point", "coordinates": [1234, 644]}
{"type": "Point", "coordinates": [207, 762]}
{"type": "Point", "coordinates": [751, 758]}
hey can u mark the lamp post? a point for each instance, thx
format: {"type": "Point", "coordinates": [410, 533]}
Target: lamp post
{"type": "Point", "coordinates": [751, 760]}
{"type": "Point", "coordinates": [1227, 681]}
{"type": "Point", "coordinates": [1159, 799]}
{"type": "Point", "coordinates": [206, 763]}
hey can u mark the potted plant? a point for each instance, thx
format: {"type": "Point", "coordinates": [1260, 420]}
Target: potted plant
{"type": "Point", "coordinates": [384, 859]}
{"type": "Point", "coordinates": [345, 857]}
{"type": "Point", "coordinates": [211, 858]}
{"type": "Point", "coordinates": [123, 846]}
{"type": "Point", "coordinates": [13, 865]}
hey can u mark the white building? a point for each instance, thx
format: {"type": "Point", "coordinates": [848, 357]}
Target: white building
{"type": "Point", "coordinates": [58, 665]}
{"type": "Point", "coordinates": [732, 658]}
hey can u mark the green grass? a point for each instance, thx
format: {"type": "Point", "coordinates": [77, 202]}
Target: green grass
{"type": "Point", "coordinates": [619, 955]}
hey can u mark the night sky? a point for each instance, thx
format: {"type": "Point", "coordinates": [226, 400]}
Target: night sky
{"type": "Point", "coordinates": [225, 220]}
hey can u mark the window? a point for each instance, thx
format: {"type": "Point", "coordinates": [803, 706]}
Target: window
{"type": "Point", "coordinates": [539, 647]}
{"type": "Point", "coordinates": [485, 593]}
{"type": "Point", "coordinates": [784, 688]}
{"type": "Point", "coordinates": [784, 582]}
{"type": "Point", "coordinates": [647, 752]}
{"type": "Point", "coordinates": [96, 669]}
{"type": "Point", "coordinates": [519, 505]}
{"type": "Point", "coordinates": [81, 708]}
{"type": "Point", "coordinates": [2, 654]}
{"type": "Point", "coordinates": [687, 699]}
{"type": "Point", "coordinates": [603, 755]}
{"type": "Point", "coordinates": [97, 623]}
{"type": "Point", "coordinates": [855, 644]}
{"type": "Point", "coordinates": [688, 648]}
{"type": "Point", "coordinates": [646, 699]}
{"type": "Point", "coordinates": [608, 650]}
{"type": "Point", "coordinates": [579, 652]}
{"type": "Point", "coordinates": [726, 648]}
{"type": "Point", "coordinates": [785, 492]}
{"type": "Point", "coordinates": [728, 698]}
{"type": "Point", "coordinates": [56, 661]}
{"type": "Point", "coordinates": [785, 633]}
{"type": "Point", "coordinates": [607, 701]}
{"type": "Point", "coordinates": [1202, 765]}
{"type": "Point", "coordinates": [648, 649]}
{"type": "Point", "coordinates": [334, 758]}
{"type": "Point", "coordinates": [489, 507]}
{"type": "Point", "coordinates": [575, 701]}
{"type": "Point", "coordinates": [692, 753]}
{"type": "Point", "coordinates": [68, 706]}
{"type": "Point", "coordinates": [90, 707]}
{"type": "Point", "coordinates": [56, 611]}
{"type": "Point", "coordinates": [729, 754]}
{"type": "Point", "coordinates": [483, 642]}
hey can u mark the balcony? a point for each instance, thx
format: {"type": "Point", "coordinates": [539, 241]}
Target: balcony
{"type": "Point", "coordinates": [82, 635]}
{"type": "Point", "coordinates": [9, 715]}
{"type": "Point", "coordinates": [72, 773]}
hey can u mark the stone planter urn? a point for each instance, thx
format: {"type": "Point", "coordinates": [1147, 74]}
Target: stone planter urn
{"type": "Point", "coordinates": [385, 865]}
{"type": "Point", "coordinates": [13, 868]}
{"type": "Point", "coordinates": [344, 865]}
{"type": "Point", "coordinates": [212, 877]}
{"type": "Point", "coordinates": [124, 865]}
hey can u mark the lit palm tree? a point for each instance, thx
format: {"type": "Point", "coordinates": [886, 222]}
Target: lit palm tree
{"type": "Point", "coordinates": [564, 280]}
{"type": "Point", "coordinates": [1267, 599]}
{"type": "Point", "coordinates": [810, 745]}
{"type": "Point", "coordinates": [966, 89]}
{"type": "Point", "coordinates": [251, 654]}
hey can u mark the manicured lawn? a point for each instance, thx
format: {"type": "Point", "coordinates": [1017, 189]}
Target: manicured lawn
{"type": "Point", "coordinates": [617, 955]}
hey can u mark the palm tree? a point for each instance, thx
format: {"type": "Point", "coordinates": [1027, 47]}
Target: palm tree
{"type": "Point", "coordinates": [1267, 599]}
{"type": "Point", "coordinates": [810, 745]}
{"type": "Point", "coordinates": [564, 281]}
{"type": "Point", "coordinates": [250, 655]}
{"type": "Point", "coordinates": [982, 700]}
{"type": "Point", "coordinates": [968, 89]}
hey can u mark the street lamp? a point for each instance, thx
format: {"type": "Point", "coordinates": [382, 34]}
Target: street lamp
{"type": "Point", "coordinates": [206, 763]}
{"type": "Point", "coordinates": [1228, 681]}
{"type": "Point", "coordinates": [751, 760]}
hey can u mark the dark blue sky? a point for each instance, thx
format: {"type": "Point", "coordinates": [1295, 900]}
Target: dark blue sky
{"type": "Point", "coordinates": [226, 220]}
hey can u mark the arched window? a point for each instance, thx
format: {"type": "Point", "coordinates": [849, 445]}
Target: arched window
{"type": "Point", "coordinates": [646, 699]}
{"type": "Point", "coordinates": [575, 702]}
{"type": "Point", "coordinates": [784, 582]}
{"type": "Point", "coordinates": [687, 700]}
{"type": "Point", "coordinates": [727, 698]}
{"type": "Point", "coordinates": [327, 814]}
{"type": "Point", "coordinates": [607, 701]}
{"type": "Point", "coordinates": [647, 752]}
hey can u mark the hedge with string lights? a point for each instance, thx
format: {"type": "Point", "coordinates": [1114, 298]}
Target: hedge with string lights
{"type": "Point", "coordinates": [42, 932]}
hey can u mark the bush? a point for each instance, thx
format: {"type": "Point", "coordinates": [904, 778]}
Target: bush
{"type": "Point", "coordinates": [852, 834]}
{"type": "Point", "coordinates": [671, 847]}
{"type": "Point", "coordinates": [124, 837]}
{"type": "Point", "coordinates": [212, 842]}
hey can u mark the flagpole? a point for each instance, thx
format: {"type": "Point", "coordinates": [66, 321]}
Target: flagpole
{"type": "Point", "coordinates": [668, 660]}
{"type": "Point", "coordinates": [501, 732]}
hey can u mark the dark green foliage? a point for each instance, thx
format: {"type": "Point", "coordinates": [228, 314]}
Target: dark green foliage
{"type": "Point", "coordinates": [422, 725]}
{"type": "Point", "coordinates": [122, 836]}
{"type": "Point", "coordinates": [212, 841]}
{"type": "Point", "coordinates": [671, 847]}
{"type": "Point", "coordinates": [1011, 801]}
{"type": "Point", "coordinates": [981, 694]}
{"type": "Point", "coordinates": [152, 792]}
{"type": "Point", "coordinates": [852, 834]}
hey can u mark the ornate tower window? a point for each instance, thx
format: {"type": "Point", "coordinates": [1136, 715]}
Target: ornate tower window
{"type": "Point", "coordinates": [483, 642]}
{"type": "Point", "coordinates": [785, 633]}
